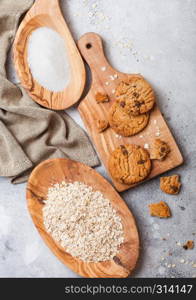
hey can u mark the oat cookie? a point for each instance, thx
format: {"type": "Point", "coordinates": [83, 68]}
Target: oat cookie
{"type": "Point", "coordinates": [160, 149]}
{"type": "Point", "coordinates": [124, 124]}
{"type": "Point", "coordinates": [102, 125]}
{"type": "Point", "coordinates": [135, 95]}
{"type": "Point", "coordinates": [101, 98]}
{"type": "Point", "coordinates": [160, 210]}
{"type": "Point", "coordinates": [170, 184]}
{"type": "Point", "coordinates": [129, 164]}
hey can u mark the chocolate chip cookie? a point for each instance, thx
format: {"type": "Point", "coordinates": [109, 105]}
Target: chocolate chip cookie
{"type": "Point", "coordinates": [125, 124]}
{"type": "Point", "coordinates": [129, 164]}
{"type": "Point", "coordinates": [135, 95]}
{"type": "Point", "coordinates": [160, 149]}
{"type": "Point", "coordinates": [170, 184]}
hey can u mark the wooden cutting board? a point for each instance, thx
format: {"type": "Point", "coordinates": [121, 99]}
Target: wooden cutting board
{"type": "Point", "coordinates": [104, 81]}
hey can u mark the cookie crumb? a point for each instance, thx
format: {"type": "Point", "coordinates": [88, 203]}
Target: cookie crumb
{"type": "Point", "coordinates": [189, 245]}
{"type": "Point", "coordinates": [102, 125]}
{"type": "Point", "coordinates": [160, 150]}
{"type": "Point", "coordinates": [146, 146]}
{"type": "Point", "coordinates": [101, 98]}
{"type": "Point", "coordinates": [170, 184]}
{"type": "Point", "coordinates": [160, 210]}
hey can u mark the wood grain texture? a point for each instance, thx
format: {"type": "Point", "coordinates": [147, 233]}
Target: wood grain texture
{"type": "Point", "coordinates": [91, 47]}
{"type": "Point", "coordinates": [57, 170]}
{"type": "Point", "coordinates": [46, 13]}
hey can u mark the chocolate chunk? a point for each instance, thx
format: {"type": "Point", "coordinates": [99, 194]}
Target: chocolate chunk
{"type": "Point", "coordinates": [174, 188]}
{"type": "Point", "coordinates": [122, 104]}
{"type": "Point", "coordinates": [137, 103]}
{"type": "Point", "coordinates": [124, 150]}
{"type": "Point", "coordinates": [141, 162]}
{"type": "Point", "coordinates": [136, 95]}
{"type": "Point", "coordinates": [163, 149]}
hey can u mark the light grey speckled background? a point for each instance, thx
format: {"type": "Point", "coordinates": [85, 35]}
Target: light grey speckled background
{"type": "Point", "coordinates": [158, 39]}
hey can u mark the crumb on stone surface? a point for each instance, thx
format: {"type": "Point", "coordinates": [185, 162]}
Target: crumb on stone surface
{"type": "Point", "coordinates": [170, 184]}
{"type": "Point", "coordinates": [160, 210]}
{"type": "Point", "coordinates": [188, 245]}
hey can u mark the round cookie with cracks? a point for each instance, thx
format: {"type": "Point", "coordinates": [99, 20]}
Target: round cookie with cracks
{"type": "Point", "coordinates": [125, 124]}
{"type": "Point", "coordinates": [129, 164]}
{"type": "Point", "coordinates": [135, 95]}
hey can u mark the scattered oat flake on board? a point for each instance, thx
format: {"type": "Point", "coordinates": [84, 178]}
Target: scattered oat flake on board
{"type": "Point", "coordinates": [112, 77]}
{"type": "Point", "coordinates": [106, 83]}
{"type": "Point", "coordinates": [103, 69]}
{"type": "Point", "coordinates": [146, 146]}
{"type": "Point", "coordinates": [182, 261]}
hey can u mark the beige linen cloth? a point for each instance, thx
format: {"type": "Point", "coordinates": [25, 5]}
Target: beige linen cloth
{"type": "Point", "coordinates": [29, 133]}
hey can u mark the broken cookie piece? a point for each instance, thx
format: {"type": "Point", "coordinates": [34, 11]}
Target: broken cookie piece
{"type": "Point", "coordinates": [160, 210]}
{"type": "Point", "coordinates": [170, 184]}
{"type": "Point", "coordinates": [129, 164]}
{"type": "Point", "coordinates": [189, 245]}
{"type": "Point", "coordinates": [101, 98]}
{"type": "Point", "coordinates": [102, 125]}
{"type": "Point", "coordinates": [160, 149]}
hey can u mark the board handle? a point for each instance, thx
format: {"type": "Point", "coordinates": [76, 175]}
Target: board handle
{"type": "Point", "coordinates": [91, 48]}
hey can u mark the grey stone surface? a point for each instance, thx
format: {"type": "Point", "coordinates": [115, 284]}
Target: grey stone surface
{"type": "Point", "coordinates": [157, 39]}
